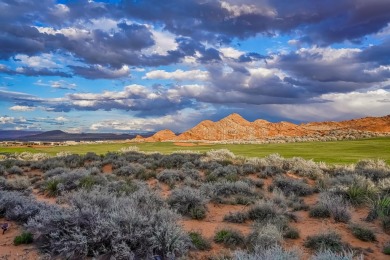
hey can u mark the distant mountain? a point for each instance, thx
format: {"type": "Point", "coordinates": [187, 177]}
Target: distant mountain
{"type": "Point", "coordinates": [236, 128]}
{"type": "Point", "coordinates": [60, 136]}
{"type": "Point", "coordinates": [15, 134]}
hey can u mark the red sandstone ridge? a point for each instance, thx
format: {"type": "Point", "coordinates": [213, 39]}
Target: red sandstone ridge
{"type": "Point", "coordinates": [163, 135]}
{"type": "Point", "coordinates": [372, 124]}
{"type": "Point", "coordinates": [236, 128]}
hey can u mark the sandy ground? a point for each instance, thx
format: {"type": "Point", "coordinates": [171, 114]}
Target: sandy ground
{"type": "Point", "coordinates": [9, 251]}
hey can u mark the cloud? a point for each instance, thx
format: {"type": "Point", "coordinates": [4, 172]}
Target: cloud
{"type": "Point", "coordinates": [178, 75]}
{"type": "Point", "coordinates": [37, 62]}
{"type": "Point", "coordinates": [7, 120]}
{"type": "Point", "coordinates": [61, 119]}
{"type": "Point", "coordinates": [27, 71]}
{"type": "Point", "coordinates": [143, 100]}
{"type": "Point", "coordinates": [22, 108]}
{"type": "Point", "coordinates": [100, 72]}
{"type": "Point", "coordinates": [339, 106]}
{"type": "Point", "coordinates": [57, 84]}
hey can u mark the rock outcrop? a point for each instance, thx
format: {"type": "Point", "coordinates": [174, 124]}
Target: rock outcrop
{"type": "Point", "coordinates": [163, 135]}
{"type": "Point", "coordinates": [236, 128]}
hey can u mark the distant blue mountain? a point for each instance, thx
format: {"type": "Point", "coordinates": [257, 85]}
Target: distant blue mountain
{"type": "Point", "coordinates": [60, 136]}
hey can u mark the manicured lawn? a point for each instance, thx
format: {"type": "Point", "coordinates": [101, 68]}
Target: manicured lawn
{"type": "Point", "coordinates": [330, 152]}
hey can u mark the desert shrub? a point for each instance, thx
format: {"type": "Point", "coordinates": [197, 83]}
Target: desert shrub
{"type": "Point", "coordinates": [305, 168]}
{"type": "Point", "coordinates": [24, 238]}
{"type": "Point", "coordinates": [229, 237]}
{"type": "Point", "coordinates": [188, 166]}
{"type": "Point", "coordinates": [291, 232]}
{"type": "Point", "coordinates": [189, 202]}
{"type": "Point", "coordinates": [49, 164]}
{"type": "Point", "coordinates": [72, 180]}
{"type": "Point", "coordinates": [273, 164]}
{"type": "Point", "coordinates": [15, 206]}
{"type": "Point", "coordinates": [18, 184]}
{"type": "Point", "coordinates": [174, 160]}
{"type": "Point", "coordinates": [89, 181]}
{"type": "Point", "coordinates": [386, 249]}
{"type": "Point", "coordinates": [199, 241]}
{"type": "Point", "coordinates": [235, 217]}
{"type": "Point", "coordinates": [271, 253]}
{"type": "Point", "coordinates": [131, 169]}
{"type": "Point", "coordinates": [257, 183]}
{"type": "Point", "coordinates": [220, 155]}
{"type": "Point", "coordinates": [51, 187]}
{"type": "Point", "coordinates": [2, 170]}
{"type": "Point", "coordinates": [74, 160]}
{"type": "Point", "coordinates": [170, 177]}
{"type": "Point", "coordinates": [191, 173]}
{"type": "Point", "coordinates": [122, 187]}
{"type": "Point", "coordinates": [238, 192]}
{"type": "Point", "coordinates": [386, 224]}
{"type": "Point", "coordinates": [384, 185]}
{"type": "Point", "coordinates": [229, 171]}
{"type": "Point", "coordinates": [56, 171]}
{"type": "Point", "coordinates": [362, 233]}
{"type": "Point", "coordinates": [329, 240]}
{"type": "Point", "coordinates": [248, 168]}
{"type": "Point", "coordinates": [374, 169]}
{"type": "Point", "coordinates": [226, 189]}
{"type": "Point", "coordinates": [15, 170]}
{"type": "Point", "coordinates": [264, 211]}
{"type": "Point", "coordinates": [99, 223]}
{"type": "Point", "coordinates": [331, 255]}
{"type": "Point", "coordinates": [129, 149]}
{"type": "Point", "coordinates": [296, 203]}
{"type": "Point", "coordinates": [209, 165]}
{"type": "Point", "coordinates": [319, 211]}
{"type": "Point", "coordinates": [379, 207]}
{"type": "Point", "coordinates": [265, 236]}
{"type": "Point", "coordinates": [337, 206]}
{"type": "Point", "coordinates": [91, 156]}
{"type": "Point", "coordinates": [293, 186]}
{"type": "Point", "coordinates": [360, 190]}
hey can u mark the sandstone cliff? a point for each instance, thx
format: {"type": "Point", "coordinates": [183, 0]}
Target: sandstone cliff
{"type": "Point", "coordinates": [236, 128]}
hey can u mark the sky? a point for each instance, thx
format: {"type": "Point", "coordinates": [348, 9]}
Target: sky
{"type": "Point", "coordinates": [134, 66]}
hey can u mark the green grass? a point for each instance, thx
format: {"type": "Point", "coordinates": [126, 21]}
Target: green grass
{"type": "Point", "coordinates": [24, 238]}
{"type": "Point", "coordinates": [330, 152]}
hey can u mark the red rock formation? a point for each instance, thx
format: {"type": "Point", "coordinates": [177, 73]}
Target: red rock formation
{"type": "Point", "coordinates": [236, 128]}
{"type": "Point", "coordinates": [163, 135]}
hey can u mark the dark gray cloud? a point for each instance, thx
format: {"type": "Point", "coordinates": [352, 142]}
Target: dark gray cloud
{"type": "Point", "coordinates": [322, 22]}
{"type": "Point", "coordinates": [28, 71]}
{"type": "Point", "coordinates": [193, 21]}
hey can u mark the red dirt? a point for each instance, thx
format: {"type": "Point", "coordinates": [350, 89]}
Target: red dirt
{"type": "Point", "coordinates": [107, 168]}
{"type": "Point", "coordinates": [213, 221]}
{"type": "Point", "coordinates": [39, 196]}
{"type": "Point", "coordinates": [11, 252]}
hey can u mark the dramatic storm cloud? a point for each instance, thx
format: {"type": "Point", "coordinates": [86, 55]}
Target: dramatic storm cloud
{"type": "Point", "coordinates": [92, 65]}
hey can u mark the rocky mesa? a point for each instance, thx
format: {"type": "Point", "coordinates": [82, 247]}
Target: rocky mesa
{"type": "Point", "coordinates": [235, 128]}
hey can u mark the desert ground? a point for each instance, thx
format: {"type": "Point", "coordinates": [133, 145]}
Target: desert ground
{"type": "Point", "coordinates": [132, 204]}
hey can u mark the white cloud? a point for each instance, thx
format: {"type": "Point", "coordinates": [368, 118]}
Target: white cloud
{"type": "Point", "coordinates": [164, 42]}
{"type": "Point", "coordinates": [61, 119]}
{"type": "Point", "coordinates": [230, 52]}
{"type": "Point", "coordinates": [178, 75]}
{"type": "Point", "coordinates": [7, 120]}
{"type": "Point", "coordinates": [22, 108]}
{"type": "Point", "coordinates": [44, 61]}
{"type": "Point", "coordinates": [59, 84]}
{"type": "Point", "coordinates": [338, 106]}
{"type": "Point", "coordinates": [122, 72]}
{"type": "Point", "coordinates": [243, 9]}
